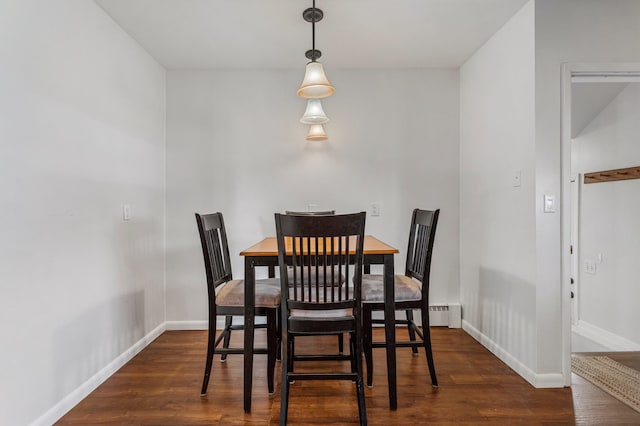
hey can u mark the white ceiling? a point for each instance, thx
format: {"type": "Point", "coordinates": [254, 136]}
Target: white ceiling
{"type": "Point", "coordinates": [197, 34]}
{"type": "Point", "coordinates": [588, 100]}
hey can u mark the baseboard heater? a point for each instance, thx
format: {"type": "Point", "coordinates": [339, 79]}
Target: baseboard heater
{"type": "Point", "coordinates": [440, 315]}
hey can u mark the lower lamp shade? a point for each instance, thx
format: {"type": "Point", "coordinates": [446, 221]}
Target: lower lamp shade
{"type": "Point", "coordinates": [316, 133]}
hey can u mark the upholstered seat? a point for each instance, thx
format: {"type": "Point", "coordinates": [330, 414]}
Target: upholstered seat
{"type": "Point", "coordinates": [406, 288]}
{"type": "Point", "coordinates": [231, 293]}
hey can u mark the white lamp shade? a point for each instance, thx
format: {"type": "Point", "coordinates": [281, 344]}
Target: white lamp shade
{"type": "Point", "coordinates": [315, 84]}
{"type": "Point", "coordinates": [316, 133]}
{"type": "Point", "coordinates": [314, 114]}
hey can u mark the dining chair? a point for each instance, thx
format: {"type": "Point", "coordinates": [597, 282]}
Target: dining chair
{"type": "Point", "coordinates": [226, 297]}
{"type": "Point", "coordinates": [411, 292]}
{"type": "Point", "coordinates": [323, 307]}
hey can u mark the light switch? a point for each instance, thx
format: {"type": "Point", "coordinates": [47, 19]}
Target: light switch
{"type": "Point", "coordinates": [517, 178]}
{"type": "Point", "coordinates": [126, 212]}
{"type": "Point", "coordinates": [549, 204]}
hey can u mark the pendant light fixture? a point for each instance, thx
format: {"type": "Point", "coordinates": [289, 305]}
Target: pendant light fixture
{"type": "Point", "coordinates": [315, 84]}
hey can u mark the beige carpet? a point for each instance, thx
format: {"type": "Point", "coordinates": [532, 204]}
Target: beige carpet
{"type": "Point", "coordinates": [619, 381]}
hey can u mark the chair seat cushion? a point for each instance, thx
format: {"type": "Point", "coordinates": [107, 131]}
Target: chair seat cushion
{"type": "Point", "coordinates": [406, 289]}
{"type": "Point", "coordinates": [339, 278]}
{"type": "Point", "coordinates": [231, 293]}
{"type": "Point", "coordinates": [333, 313]}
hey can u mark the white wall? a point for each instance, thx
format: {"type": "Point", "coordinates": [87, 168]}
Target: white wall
{"type": "Point", "coordinates": [81, 133]}
{"type": "Point", "coordinates": [566, 31]}
{"type": "Point", "coordinates": [529, 277]}
{"type": "Point", "coordinates": [497, 219]}
{"type": "Point", "coordinates": [234, 144]}
{"type": "Point", "coordinates": [609, 223]}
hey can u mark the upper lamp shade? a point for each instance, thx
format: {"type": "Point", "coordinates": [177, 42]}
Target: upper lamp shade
{"type": "Point", "coordinates": [315, 84]}
{"type": "Point", "coordinates": [316, 133]}
{"type": "Point", "coordinates": [314, 114]}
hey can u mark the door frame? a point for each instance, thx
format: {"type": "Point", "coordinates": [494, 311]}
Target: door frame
{"type": "Point", "coordinates": [583, 72]}
{"type": "Point", "coordinates": [576, 190]}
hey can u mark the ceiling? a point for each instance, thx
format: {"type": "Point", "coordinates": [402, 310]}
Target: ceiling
{"type": "Point", "coordinates": [588, 100]}
{"type": "Point", "coordinates": [199, 34]}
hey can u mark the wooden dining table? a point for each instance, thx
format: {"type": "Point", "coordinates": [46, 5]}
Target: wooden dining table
{"type": "Point", "coordinates": [265, 254]}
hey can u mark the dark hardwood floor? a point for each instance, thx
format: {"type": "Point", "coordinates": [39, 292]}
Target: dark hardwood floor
{"type": "Point", "coordinates": [161, 386]}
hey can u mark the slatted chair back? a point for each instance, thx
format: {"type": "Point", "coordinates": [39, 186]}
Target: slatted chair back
{"type": "Point", "coordinates": [421, 238]}
{"type": "Point", "coordinates": [320, 213]}
{"type": "Point", "coordinates": [322, 247]}
{"type": "Point", "coordinates": [215, 250]}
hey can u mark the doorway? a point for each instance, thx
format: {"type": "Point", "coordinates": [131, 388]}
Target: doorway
{"type": "Point", "coordinates": [597, 253]}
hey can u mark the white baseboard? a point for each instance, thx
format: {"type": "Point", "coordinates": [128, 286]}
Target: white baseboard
{"type": "Point", "coordinates": [192, 325]}
{"type": "Point", "coordinates": [611, 341]}
{"type": "Point", "coordinates": [549, 380]}
{"type": "Point", "coordinates": [71, 400]}
{"type": "Point", "coordinates": [204, 324]}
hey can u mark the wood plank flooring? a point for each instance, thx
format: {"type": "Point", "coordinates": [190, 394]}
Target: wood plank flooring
{"type": "Point", "coordinates": [161, 386]}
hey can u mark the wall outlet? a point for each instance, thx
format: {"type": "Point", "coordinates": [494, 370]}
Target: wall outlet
{"type": "Point", "coordinates": [590, 267]}
{"type": "Point", "coordinates": [375, 209]}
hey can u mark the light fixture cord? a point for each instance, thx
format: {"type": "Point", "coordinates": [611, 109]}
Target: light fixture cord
{"type": "Point", "coordinates": [313, 32]}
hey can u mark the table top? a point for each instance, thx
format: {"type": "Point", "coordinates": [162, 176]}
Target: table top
{"type": "Point", "coordinates": [269, 247]}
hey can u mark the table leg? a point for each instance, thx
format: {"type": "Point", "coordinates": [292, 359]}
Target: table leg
{"type": "Point", "coordinates": [249, 319]}
{"type": "Point", "coordinates": [390, 329]}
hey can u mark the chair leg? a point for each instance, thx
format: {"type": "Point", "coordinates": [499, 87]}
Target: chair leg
{"type": "Point", "coordinates": [356, 356]}
{"type": "Point", "coordinates": [352, 352]}
{"type": "Point", "coordinates": [211, 347]}
{"type": "Point", "coordinates": [284, 390]}
{"type": "Point", "coordinates": [228, 321]}
{"type": "Point", "coordinates": [426, 332]}
{"type": "Point", "coordinates": [291, 350]}
{"type": "Point", "coordinates": [272, 347]}
{"type": "Point", "coordinates": [412, 333]}
{"type": "Point", "coordinates": [340, 344]}
{"type": "Point", "coordinates": [367, 338]}
{"type": "Point", "coordinates": [279, 335]}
